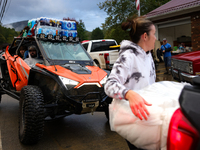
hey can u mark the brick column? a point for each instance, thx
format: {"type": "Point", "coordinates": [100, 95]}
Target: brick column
{"type": "Point", "coordinates": [195, 31]}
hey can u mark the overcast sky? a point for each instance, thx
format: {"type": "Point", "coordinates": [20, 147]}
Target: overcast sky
{"type": "Point", "coordinates": [86, 10]}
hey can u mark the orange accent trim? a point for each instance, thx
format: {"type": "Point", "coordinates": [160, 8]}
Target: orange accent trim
{"type": "Point", "coordinates": [18, 70]}
{"type": "Point", "coordinates": [11, 68]}
{"type": "Point", "coordinates": [23, 73]}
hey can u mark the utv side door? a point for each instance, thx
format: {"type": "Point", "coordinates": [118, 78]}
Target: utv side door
{"type": "Point", "coordinates": [17, 68]}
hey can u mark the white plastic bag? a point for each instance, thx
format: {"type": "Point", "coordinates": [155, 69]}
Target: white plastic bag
{"type": "Point", "coordinates": [150, 134]}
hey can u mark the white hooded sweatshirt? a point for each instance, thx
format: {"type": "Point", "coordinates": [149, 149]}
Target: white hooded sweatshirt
{"type": "Point", "coordinates": [32, 61]}
{"type": "Point", "coordinates": [133, 70]}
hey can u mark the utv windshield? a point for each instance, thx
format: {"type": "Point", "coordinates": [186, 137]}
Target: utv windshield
{"type": "Point", "coordinates": [64, 51]}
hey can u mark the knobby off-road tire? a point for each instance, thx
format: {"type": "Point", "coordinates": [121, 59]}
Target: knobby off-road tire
{"type": "Point", "coordinates": [97, 63]}
{"type": "Point", "coordinates": [31, 115]}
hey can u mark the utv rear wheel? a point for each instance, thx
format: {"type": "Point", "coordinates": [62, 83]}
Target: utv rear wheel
{"type": "Point", "coordinates": [31, 115]}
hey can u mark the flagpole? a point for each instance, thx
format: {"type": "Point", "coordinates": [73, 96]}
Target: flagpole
{"type": "Point", "coordinates": [137, 2]}
{"type": "Point", "coordinates": [139, 12]}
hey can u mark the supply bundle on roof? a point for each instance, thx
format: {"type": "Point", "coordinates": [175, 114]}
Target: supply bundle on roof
{"type": "Point", "coordinates": [53, 27]}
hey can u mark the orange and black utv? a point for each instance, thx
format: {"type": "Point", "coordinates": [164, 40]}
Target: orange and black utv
{"type": "Point", "coordinates": [63, 82]}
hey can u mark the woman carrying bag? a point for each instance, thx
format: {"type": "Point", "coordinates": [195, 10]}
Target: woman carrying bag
{"type": "Point", "coordinates": [134, 69]}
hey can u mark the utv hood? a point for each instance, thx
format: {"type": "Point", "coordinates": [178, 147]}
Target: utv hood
{"type": "Point", "coordinates": [76, 72]}
{"type": "Point", "coordinates": [77, 68]}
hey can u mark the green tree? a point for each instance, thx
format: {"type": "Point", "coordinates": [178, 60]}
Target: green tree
{"type": "Point", "coordinates": [116, 33]}
{"type": "Point", "coordinates": [104, 29]}
{"type": "Point", "coordinates": [97, 33]}
{"type": "Point", "coordinates": [88, 34]}
{"type": "Point", "coordinates": [2, 39]}
{"type": "Point", "coordinates": [82, 30]}
{"type": "Point", "coordinates": [119, 10]}
{"type": "Point", "coordinates": [7, 35]}
{"type": "Point", "coordinates": [10, 38]}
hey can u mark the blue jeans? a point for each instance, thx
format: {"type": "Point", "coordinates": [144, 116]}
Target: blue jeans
{"type": "Point", "coordinates": [167, 61]}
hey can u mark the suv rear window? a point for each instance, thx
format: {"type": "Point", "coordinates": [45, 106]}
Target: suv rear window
{"type": "Point", "coordinates": [102, 46]}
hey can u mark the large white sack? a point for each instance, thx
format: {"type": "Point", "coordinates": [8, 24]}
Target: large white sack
{"type": "Point", "coordinates": [150, 134]}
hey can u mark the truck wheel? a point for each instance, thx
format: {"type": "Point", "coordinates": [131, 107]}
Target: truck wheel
{"type": "Point", "coordinates": [97, 63]}
{"type": "Point", "coordinates": [31, 115]}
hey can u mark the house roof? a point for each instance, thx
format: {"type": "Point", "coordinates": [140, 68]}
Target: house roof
{"type": "Point", "coordinates": [172, 6]}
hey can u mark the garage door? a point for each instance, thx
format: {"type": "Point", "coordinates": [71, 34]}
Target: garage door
{"type": "Point", "coordinates": [174, 29]}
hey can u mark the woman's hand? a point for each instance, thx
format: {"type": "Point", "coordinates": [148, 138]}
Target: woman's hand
{"type": "Point", "coordinates": [137, 104]}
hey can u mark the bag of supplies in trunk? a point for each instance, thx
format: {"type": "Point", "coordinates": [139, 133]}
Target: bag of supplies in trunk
{"type": "Point", "coordinates": [150, 134]}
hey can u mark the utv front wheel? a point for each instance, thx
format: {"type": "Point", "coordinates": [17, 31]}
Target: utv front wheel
{"type": "Point", "coordinates": [31, 115]}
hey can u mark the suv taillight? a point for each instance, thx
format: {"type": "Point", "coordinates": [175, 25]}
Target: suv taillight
{"type": "Point", "coordinates": [181, 133]}
{"type": "Point", "coordinates": [106, 56]}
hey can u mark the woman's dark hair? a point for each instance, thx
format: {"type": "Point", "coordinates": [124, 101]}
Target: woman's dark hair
{"type": "Point", "coordinates": [137, 27]}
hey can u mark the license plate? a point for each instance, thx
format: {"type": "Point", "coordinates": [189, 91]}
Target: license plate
{"type": "Point", "coordinates": [90, 105]}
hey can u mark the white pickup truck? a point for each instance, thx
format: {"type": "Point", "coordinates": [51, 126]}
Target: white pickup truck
{"type": "Point", "coordinates": [104, 52]}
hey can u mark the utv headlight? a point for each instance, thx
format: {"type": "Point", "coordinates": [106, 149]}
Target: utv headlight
{"type": "Point", "coordinates": [103, 81]}
{"type": "Point", "coordinates": [68, 82]}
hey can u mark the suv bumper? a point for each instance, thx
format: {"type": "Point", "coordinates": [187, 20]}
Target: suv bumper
{"type": "Point", "coordinates": [180, 76]}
